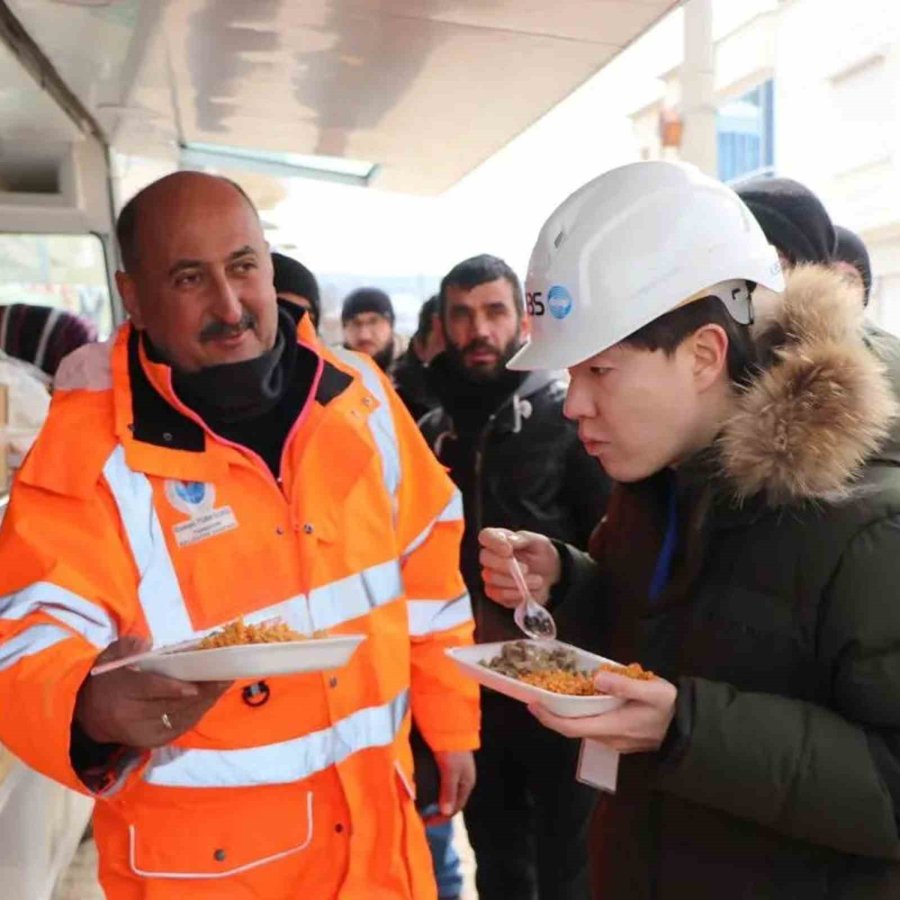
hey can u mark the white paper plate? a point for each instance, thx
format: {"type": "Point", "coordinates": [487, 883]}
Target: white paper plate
{"type": "Point", "coordinates": [470, 660]}
{"type": "Point", "coordinates": [253, 660]}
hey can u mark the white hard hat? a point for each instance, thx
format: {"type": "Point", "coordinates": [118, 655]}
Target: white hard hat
{"type": "Point", "coordinates": [632, 245]}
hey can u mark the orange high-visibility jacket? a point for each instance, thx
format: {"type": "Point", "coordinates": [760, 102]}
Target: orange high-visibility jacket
{"type": "Point", "coordinates": [131, 517]}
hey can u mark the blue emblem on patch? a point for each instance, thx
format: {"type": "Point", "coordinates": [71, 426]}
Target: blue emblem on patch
{"type": "Point", "coordinates": [193, 498]}
{"type": "Point", "coordinates": [191, 492]}
{"type": "Point", "coordinates": [560, 301]}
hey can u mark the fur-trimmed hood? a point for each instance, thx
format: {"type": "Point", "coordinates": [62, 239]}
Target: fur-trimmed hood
{"type": "Point", "coordinates": [823, 404]}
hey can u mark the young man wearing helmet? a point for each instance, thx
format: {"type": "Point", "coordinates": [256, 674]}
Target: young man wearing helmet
{"type": "Point", "coordinates": [750, 553]}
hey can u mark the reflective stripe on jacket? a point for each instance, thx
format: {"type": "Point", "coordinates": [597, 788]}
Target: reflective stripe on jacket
{"type": "Point", "coordinates": [131, 517]}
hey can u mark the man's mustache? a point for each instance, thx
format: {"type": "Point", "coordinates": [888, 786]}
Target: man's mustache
{"type": "Point", "coordinates": [217, 331]}
{"type": "Point", "coordinates": [480, 344]}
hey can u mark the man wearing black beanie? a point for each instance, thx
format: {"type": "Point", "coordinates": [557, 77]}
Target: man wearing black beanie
{"type": "Point", "coordinates": [296, 284]}
{"type": "Point", "coordinates": [792, 217]}
{"type": "Point", "coordinates": [797, 224]}
{"type": "Point", "coordinates": [852, 258]}
{"type": "Point", "coordinates": [368, 320]}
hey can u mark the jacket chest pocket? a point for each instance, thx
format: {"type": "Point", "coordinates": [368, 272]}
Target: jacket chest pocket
{"type": "Point", "coordinates": [253, 566]}
{"type": "Point", "coordinates": [747, 638]}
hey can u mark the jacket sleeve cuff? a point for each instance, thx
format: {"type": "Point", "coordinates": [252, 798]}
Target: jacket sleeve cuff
{"type": "Point", "coordinates": [576, 569]}
{"type": "Point", "coordinates": [566, 574]}
{"type": "Point", "coordinates": [678, 737]}
{"type": "Point", "coordinates": [452, 741]}
{"type": "Point", "coordinates": [453, 729]}
{"type": "Point", "coordinates": [99, 766]}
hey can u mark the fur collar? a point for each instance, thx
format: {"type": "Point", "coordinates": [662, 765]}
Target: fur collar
{"type": "Point", "coordinates": [822, 406]}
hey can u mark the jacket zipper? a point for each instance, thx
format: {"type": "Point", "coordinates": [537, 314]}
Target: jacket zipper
{"type": "Point", "coordinates": [480, 449]}
{"type": "Point", "coordinates": [246, 452]}
{"type": "Point", "coordinates": [252, 455]}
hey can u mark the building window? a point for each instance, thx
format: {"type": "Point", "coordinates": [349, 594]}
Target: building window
{"type": "Point", "coordinates": [745, 134]}
{"type": "Point", "coordinates": [66, 271]}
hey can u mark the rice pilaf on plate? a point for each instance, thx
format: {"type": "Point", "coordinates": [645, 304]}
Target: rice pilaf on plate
{"type": "Point", "coordinates": [556, 669]}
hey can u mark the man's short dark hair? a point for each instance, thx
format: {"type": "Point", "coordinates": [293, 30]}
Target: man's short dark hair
{"type": "Point", "coordinates": [126, 223]}
{"type": "Point", "coordinates": [426, 319]}
{"type": "Point", "coordinates": [477, 270]}
{"type": "Point", "coordinates": [669, 331]}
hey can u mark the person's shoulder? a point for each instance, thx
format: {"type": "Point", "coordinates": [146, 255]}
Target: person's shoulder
{"type": "Point", "coordinates": [869, 505]}
{"type": "Point", "coordinates": [89, 368]}
{"type": "Point", "coordinates": [79, 432]}
{"type": "Point", "coordinates": [548, 391]}
{"type": "Point", "coordinates": [544, 406]}
{"type": "Point", "coordinates": [876, 495]}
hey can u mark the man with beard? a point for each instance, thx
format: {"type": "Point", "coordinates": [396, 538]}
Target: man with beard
{"type": "Point", "coordinates": [520, 465]}
{"type": "Point", "coordinates": [368, 320]}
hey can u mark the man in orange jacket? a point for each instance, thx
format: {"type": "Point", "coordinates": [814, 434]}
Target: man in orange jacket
{"type": "Point", "coordinates": [214, 461]}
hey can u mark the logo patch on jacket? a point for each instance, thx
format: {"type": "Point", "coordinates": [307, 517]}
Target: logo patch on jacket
{"type": "Point", "coordinates": [197, 499]}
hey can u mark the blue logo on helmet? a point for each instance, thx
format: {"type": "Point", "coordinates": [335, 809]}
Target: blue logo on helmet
{"type": "Point", "coordinates": [560, 301]}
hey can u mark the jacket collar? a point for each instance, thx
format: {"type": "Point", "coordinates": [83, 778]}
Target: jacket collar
{"type": "Point", "coordinates": [821, 406]}
{"type": "Point", "coordinates": [516, 407]}
{"type": "Point", "coordinates": [159, 433]}
{"type": "Point", "coordinates": [818, 410]}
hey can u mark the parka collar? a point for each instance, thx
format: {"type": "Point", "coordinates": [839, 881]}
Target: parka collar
{"type": "Point", "coordinates": [821, 405]}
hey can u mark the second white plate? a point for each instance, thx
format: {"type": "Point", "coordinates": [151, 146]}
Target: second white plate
{"type": "Point", "coordinates": [471, 660]}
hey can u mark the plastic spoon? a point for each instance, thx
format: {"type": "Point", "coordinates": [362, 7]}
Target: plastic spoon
{"type": "Point", "coordinates": [529, 615]}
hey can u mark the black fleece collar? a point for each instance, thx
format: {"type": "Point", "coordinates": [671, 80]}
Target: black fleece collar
{"type": "Point", "coordinates": [155, 421]}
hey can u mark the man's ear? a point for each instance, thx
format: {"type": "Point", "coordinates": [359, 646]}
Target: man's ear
{"type": "Point", "coordinates": [128, 293]}
{"type": "Point", "coordinates": [525, 328]}
{"type": "Point", "coordinates": [709, 346]}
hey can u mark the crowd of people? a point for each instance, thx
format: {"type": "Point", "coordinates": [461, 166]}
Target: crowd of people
{"type": "Point", "coordinates": [684, 429]}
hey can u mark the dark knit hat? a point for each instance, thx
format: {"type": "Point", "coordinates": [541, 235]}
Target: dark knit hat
{"type": "Point", "coordinates": [292, 276]}
{"type": "Point", "coordinates": [367, 300]}
{"type": "Point", "coordinates": [851, 249]}
{"type": "Point", "coordinates": [792, 218]}
{"type": "Point", "coordinates": [42, 335]}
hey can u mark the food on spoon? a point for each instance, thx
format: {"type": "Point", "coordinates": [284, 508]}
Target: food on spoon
{"type": "Point", "coordinates": [237, 633]}
{"type": "Point", "coordinates": [556, 669]}
{"type": "Point", "coordinates": [538, 625]}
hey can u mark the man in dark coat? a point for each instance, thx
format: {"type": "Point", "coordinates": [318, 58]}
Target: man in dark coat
{"type": "Point", "coordinates": [296, 284]}
{"type": "Point", "coordinates": [518, 463]}
{"type": "Point", "coordinates": [367, 317]}
{"type": "Point", "coordinates": [750, 555]}
{"type": "Point", "coordinates": [851, 257]}
{"type": "Point", "coordinates": [410, 374]}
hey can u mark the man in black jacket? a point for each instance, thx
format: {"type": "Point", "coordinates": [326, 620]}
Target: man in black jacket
{"type": "Point", "coordinates": [410, 371]}
{"type": "Point", "coordinates": [519, 464]}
